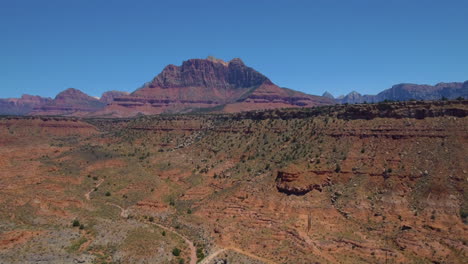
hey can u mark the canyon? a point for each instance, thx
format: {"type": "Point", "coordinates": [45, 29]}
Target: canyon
{"type": "Point", "coordinates": [361, 183]}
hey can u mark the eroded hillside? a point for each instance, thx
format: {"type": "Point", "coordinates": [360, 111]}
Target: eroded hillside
{"type": "Point", "coordinates": [344, 184]}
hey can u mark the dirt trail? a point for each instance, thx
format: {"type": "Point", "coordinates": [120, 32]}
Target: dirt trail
{"type": "Point", "coordinates": [238, 250]}
{"type": "Point", "coordinates": [123, 212]}
{"type": "Point", "coordinates": [193, 249]}
{"type": "Point", "coordinates": [212, 256]}
{"type": "Point", "coordinates": [87, 195]}
{"type": "Point", "coordinates": [315, 250]}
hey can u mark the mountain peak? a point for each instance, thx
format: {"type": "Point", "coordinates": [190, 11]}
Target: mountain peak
{"type": "Point", "coordinates": [210, 73]}
{"type": "Point", "coordinates": [328, 95]}
{"type": "Point", "coordinates": [237, 61]}
{"type": "Point", "coordinates": [216, 60]}
{"type": "Point", "coordinates": [72, 93]}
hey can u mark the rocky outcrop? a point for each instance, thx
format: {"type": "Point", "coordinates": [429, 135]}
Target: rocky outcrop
{"type": "Point", "coordinates": [21, 106]}
{"type": "Point", "coordinates": [69, 102]}
{"type": "Point", "coordinates": [292, 181]}
{"type": "Point", "coordinates": [108, 97]}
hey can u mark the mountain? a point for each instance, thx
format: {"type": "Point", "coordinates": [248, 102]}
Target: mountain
{"type": "Point", "coordinates": [209, 83]}
{"type": "Point", "coordinates": [409, 91]}
{"type": "Point", "coordinates": [21, 106]}
{"type": "Point", "coordinates": [70, 102]}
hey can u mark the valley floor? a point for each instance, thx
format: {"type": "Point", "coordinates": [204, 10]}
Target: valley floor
{"type": "Point", "coordinates": [384, 183]}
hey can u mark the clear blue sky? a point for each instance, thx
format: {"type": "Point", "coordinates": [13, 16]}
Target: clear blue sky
{"type": "Point", "coordinates": [98, 45]}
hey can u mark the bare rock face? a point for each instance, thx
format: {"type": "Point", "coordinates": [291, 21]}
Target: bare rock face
{"type": "Point", "coordinates": [209, 83]}
{"type": "Point", "coordinates": [23, 105]}
{"type": "Point", "coordinates": [69, 102]}
{"type": "Point", "coordinates": [296, 182]}
{"type": "Point", "coordinates": [108, 97]}
{"type": "Point", "coordinates": [208, 73]}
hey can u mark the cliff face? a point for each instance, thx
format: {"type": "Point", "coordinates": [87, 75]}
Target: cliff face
{"type": "Point", "coordinates": [108, 97]}
{"type": "Point", "coordinates": [210, 74]}
{"type": "Point", "coordinates": [209, 83]}
{"type": "Point", "coordinates": [69, 102]}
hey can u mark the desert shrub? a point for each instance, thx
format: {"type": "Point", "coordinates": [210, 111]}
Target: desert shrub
{"type": "Point", "coordinates": [338, 168]}
{"type": "Point", "coordinates": [176, 252]}
{"type": "Point", "coordinates": [108, 194]}
{"type": "Point", "coordinates": [76, 223]}
{"type": "Point", "coordinates": [200, 254]}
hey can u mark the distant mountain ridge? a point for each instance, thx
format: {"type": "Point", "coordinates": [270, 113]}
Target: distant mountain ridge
{"type": "Point", "coordinates": [69, 102]}
{"type": "Point", "coordinates": [210, 84]}
{"type": "Point", "coordinates": [23, 105]}
{"type": "Point", "coordinates": [409, 91]}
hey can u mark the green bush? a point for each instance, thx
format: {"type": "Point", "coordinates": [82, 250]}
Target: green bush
{"type": "Point", "coordinates": [108, 194]}
{"type": "Point", "coordinates": [76, 223]}
{"type": "Point", "coordinates": [200, 254]}
{"type": "Point", "coordinates": [176, 252]}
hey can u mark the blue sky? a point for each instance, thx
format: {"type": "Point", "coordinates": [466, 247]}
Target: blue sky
{"type": "Point", "coordinates": [312, 46]}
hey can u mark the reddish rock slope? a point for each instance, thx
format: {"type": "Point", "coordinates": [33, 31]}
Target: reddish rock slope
{"type": "Point", "coordinates": [108, 97]}
{"type": "Point", "coordinates": [209, 83]}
